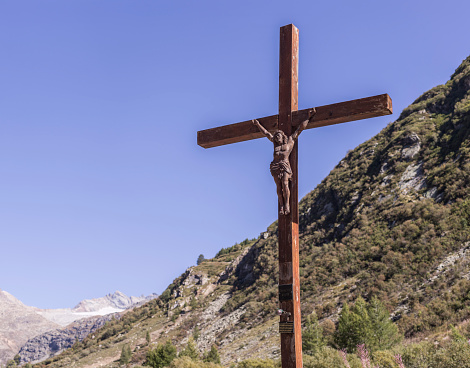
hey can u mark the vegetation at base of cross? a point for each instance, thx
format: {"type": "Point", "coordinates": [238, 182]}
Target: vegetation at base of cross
{"type": "Point", "coordinates": [386, 234]}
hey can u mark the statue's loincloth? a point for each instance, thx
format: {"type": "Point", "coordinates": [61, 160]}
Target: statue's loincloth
{"type": "Point", "coordinates": [280, 168]}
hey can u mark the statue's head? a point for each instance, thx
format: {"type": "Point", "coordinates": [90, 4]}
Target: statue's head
{"type": "Point", "coordinates": [280, 137]}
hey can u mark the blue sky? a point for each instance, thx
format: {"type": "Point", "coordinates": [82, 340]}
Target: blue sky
{"type": "Point", "coordinates": [102, 185]}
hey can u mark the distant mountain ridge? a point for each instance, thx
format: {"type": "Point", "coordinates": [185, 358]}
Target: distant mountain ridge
{"type": "Point", "coordinates": [111, 303]}
{"type": "Point", "coordinates": [115, 300]}
{"type": "Point", "coordinates": [20, 323]}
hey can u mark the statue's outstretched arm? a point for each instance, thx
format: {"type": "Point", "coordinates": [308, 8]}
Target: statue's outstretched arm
{"type": "Point", "coordinates": [303, 125]}
{"type": "Point", "coordinates": [263, 129]}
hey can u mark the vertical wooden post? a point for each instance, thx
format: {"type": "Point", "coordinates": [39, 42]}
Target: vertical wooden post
{"type": "Point", "coordinates": [288, 230]}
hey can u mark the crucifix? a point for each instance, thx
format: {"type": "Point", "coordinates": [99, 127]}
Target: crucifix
{"type": "Point", "coordinates": [291, 121]}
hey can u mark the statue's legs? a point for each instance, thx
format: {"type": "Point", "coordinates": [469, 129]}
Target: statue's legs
{"type": "Point", "coordinates": [286, 193]}
{"type": "Point", "coordinates": [279, 193]}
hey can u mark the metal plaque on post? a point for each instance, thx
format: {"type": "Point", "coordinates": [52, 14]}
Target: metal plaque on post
{"type": "Point", "coordinates": [286, 327]}
{"type": "Point", "coordinates": [286, 292]}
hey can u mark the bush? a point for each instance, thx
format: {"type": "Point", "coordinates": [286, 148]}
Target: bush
{"type": "Point", "coordinates": [312, 335]}
{"type": "Point", "coordinates": [187, 362]}
{"type": "Point", "coordinates": [453, 354]}
{"type": "Point", "coordinates": [126, 354]}
{"type": "Point", "coordinates": [190, 350]}
{"type": "Point", "coordinates": [327, 357]}
{"type": "Point", "coordinates": [212, 356]}
{"type": "Point", "coordinates": [384, 359]}
{"type": "Point", "coordinates": [257, 363]}
{"type": "Point", "coordinates": [161, 356]}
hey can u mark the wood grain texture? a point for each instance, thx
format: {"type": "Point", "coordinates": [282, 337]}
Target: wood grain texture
{"type": "Point", "coordinates": [337, 113]}
{"type": "Point", "coordinates": [291, 344]}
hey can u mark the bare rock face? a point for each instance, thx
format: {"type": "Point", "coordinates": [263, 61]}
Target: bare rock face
{"type": "Point", "coordinates": [413, 178]}
{"type": "Point", "coordinates": [411, 146]}
{"type": "Point", "coordinates": [54, 342]}
{"type": "Point", "coordinates": [18, 323]}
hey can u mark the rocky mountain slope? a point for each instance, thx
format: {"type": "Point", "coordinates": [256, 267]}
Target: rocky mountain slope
{"type": "Point", "coordinates": [55, 341]}
{"type": "Point", "coordinates": [101, 310]}
{"type": "Point", "coordinates": [21, 324]}
{"type": "Point", "coordinates": [392, 220]}
{"type": "Point", "coordinates": [18, 323]}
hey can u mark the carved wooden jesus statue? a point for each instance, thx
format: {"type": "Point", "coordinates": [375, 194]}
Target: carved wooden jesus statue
{"type": "Point", "coordinates": [280, 167]}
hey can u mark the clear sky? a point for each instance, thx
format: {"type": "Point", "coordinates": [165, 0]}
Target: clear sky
{"type": "Point", "coordinates": [102, 184]}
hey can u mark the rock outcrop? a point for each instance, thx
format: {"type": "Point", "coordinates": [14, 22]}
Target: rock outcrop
{"type": "Point", "coordinates": [54, 342]}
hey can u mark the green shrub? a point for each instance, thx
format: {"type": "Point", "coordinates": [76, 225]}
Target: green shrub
{"type": "Point", "coordinates": [257, 363]}
{"type": "Point", "coordinates": [312, 335]}
{"type": "Point", "coordinates": [366, 323]}
{"type": "Point", "coordinates": [212, 356]}
{"type": "Point", "coordinates": [190, 350]}
{"type": "Point", "coordinates": [161, 356]}
{"type": "Point", "coordinates": [187, 362]}
{"type": "Point", "coordinates": [327, 357]}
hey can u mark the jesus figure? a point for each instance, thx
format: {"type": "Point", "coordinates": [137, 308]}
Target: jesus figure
{"type": "Point", "coordinates": [280, 167]}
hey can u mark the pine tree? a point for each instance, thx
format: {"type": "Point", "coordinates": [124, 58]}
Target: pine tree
{"type": "Point", "coordinates": [161, 356]}
{"type": "Point", "coordinates": [196, 333]}
{"type": "Point", "coordinates": [312, 335]}
{"type": "Point", "coordinates": [347, 335]}
{"type": "Point", "coordinates": [126, 354]}
{"type": "Point", "coordinates": [364, 328]}
{"type": "Point", "coordinates": [367, 324]}
{"type": "Point", "coordinates": [383, 332]}
{"type": "Point", "coordinates": [190, 350]}
{"type": "Point", "coordinates": [200, 259]}
{"type": "Point", "coordinates": [147, 337]}
{"type": "Point", "coordinates": [212, 355]}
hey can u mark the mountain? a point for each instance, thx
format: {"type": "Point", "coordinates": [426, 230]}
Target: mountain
{"type": "Point", "coordinates": [18, 323]}
{"type": "Point", "coordinates": [85, 318]}
{"type": "Point", "coordinates": [391, 220]}
{"type": "Point", "coordinates": [117, 301]}
{"type": "Point", "coordinates": [111, 303]}
{"type": "Point", "coordinates": [55, 341]}
{"type": "Point", "coordinates": [42, 329]}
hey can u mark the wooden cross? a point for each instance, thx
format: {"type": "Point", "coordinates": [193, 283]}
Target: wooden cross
{"type": "Point", "coordinates": [288, 120]}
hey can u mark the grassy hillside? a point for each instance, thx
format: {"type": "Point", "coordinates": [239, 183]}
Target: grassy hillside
{"type": "Point", "coordinates": [391, 220]}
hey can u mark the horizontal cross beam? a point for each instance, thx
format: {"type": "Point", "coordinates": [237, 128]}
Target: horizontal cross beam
{"type": "Point", "coordinates": [337, 113]}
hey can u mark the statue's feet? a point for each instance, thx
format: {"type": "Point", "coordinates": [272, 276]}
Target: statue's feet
{"type": "Point", "coordinates": [287, 210]}
{"type": "Point", "coordinates": [281, 211]}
